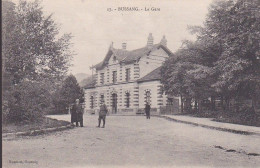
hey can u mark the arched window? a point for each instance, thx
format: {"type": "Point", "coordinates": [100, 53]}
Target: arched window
{"type": "Point", "coordinates": [91, 102]}
{"type": "Point", "coordinates": [127, 99]}
{"type": "Point", "coordinates": [114, 58]}
{"type": "Point", "coordinates": [148, 97]}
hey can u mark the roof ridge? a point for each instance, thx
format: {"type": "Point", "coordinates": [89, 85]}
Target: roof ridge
{"type": "Point", "coordinates": [128, 56]}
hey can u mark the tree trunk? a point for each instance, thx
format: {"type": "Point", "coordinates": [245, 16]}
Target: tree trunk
{"type": "Point", "coordinates": [254, 102]}
{"type": "Point", "coordinates": [196, 106]}
{"type": "Point", "coordinates": [222, 103]}
{"type": "Point", "coordinates": [181, 104]}
{"type": "Point", "coordinates": [213, 105]}
{"type": "Point", "coordinates": [188, 105]}
{"type": "Point", "coordinates": [200, 105]}
{"type": "Point", "coordinates": [227, 104]}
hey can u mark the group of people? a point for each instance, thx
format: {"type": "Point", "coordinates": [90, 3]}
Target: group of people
{"type": "Point", "coordinates": [77, 113]}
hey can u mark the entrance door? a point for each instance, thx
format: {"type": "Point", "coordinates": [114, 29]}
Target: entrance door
{"type": "Point", "coordinates": [114, 103]}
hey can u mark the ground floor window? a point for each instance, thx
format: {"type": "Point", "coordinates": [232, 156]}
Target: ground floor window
{"type": "Point", "coordinates": [91, 102]}
{"type": "Point", "coordinates": [127, 100]}
{"type": "Point", "coordinates": [148, 97]}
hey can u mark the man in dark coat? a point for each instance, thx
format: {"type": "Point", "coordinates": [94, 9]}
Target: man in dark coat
{"type": "Point", "coordinates": [102, 114]}
{"type": "Point", "coordinates": [147, 111]}
{"type": "Point", "coordinates": [77, 113]}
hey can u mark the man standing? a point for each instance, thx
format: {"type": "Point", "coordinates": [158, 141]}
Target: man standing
{"type": "Point", "coordinates": [147, 111]}
{"type": "Point", "coordinates": [102, 114]}
{"type": "Point", "coordinates": [77, 113]}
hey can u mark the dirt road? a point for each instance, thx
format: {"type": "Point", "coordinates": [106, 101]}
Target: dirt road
{"type": "Point", "coordinates": [133, 141]}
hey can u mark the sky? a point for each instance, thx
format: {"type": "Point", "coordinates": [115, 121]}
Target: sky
{"type": "Point", "coordinates": [93, 27]}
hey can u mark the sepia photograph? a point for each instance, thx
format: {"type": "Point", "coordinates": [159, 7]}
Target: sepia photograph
{"type": "Point", "coordinates": [130, 83]}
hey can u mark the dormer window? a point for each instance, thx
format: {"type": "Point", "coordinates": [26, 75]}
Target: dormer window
{"type": "Point", "coordinates": [114, 58]}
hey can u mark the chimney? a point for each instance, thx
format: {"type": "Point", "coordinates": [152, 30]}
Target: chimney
{"type": "Point", "coordinates": [150, 40]}
{"type": "Point", "coordinates": [164, 41]}
{"type": "Point", "coordinates": [111, 45]}
{"type": "Point", "coordinates": [124, 46]}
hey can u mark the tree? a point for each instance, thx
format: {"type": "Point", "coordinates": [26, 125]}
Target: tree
{"type": "Point", "coordinates": [35, 59]}
{"type": "Point", "coordinates": [31, 47]}
{"type": "Point", "coordinates": [236, 24]}
{"type": "Point", "coordinates": [27, 102]}
{"type": "Point", "coordinates": [224, 60]}
{"type": "Point", "coordinates": [67, 94]}
{"type": "Point", "coordinates": [188, 73]}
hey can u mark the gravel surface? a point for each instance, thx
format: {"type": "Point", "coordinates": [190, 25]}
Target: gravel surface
{"type": "Point", "coordinates": [133, 141]}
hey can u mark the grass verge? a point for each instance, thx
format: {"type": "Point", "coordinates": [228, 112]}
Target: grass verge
{"type": "Point", "coordinates": [25, 127]}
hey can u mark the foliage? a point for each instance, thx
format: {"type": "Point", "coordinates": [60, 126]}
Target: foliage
{"type": "Point", "coordinates": [31, 47]}
{"type": "Point", "coordinates": [224, 61]}
{"type": "Point", "coordinates": [27, 102]}
{"type": "Point", "coordinates": [245, 116]}
{"type": "Point", "coordinates": [35, 59]}
{"type": "Point", "coordinates": [238, 29]}
{"type": "Point", "coordinates": [67, 94]}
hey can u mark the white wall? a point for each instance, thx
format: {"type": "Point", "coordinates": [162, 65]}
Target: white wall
{"type": "Point", "coordinates": [153, 87]}
{"type": "Point", "coordinates": [151, 62]}
{"type": "Point", "coordinates": [107, 91]}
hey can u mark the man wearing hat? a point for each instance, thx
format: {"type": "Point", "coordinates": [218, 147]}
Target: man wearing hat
{"type": "Point", "coordinates": [102, 114]}
{"type": "Point", "coordinates": [77, 113]}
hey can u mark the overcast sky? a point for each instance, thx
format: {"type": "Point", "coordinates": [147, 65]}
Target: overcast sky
{"type": "Point", "coordinates": [94, 28]}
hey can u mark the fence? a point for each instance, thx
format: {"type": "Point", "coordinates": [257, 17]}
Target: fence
{"type": "Point", "coordinates": [172, 107]}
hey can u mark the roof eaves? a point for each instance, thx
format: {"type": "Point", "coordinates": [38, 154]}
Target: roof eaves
{"type": "Point", "coordinates": [168, 51]}
{"type": "Point", "coordinates": [148, 80]}
{"type": "Point", "coordinates": [89, 87]}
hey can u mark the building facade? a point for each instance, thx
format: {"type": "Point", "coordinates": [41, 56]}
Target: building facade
{"type": "Point", "coordinates": [128, 80]}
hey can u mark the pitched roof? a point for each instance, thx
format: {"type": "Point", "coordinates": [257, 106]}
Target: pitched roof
{"type": "Point", "coordinates": [125, 56]}
{"type": "Point", "coordinates": [154, 75]}
{"type": "Point", "coordinates": [91, 82]}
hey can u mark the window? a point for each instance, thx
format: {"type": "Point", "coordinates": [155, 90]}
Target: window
{"type": "Point", "coordinates": [127, 75]}
{"type": "Point", "coordinates": [114, 76]}
{"type": "Point", "coordinates": [91, 102]}
{"type": "Point", "coordinates": [169, 101]}
{"type": "Point", "coordinates": [148, 97]}
{"type": "Point", "coordinates": [114, 58]}
{"type": "Point", "coordinates": [127, 100]}
{"type": "Point", "coordinates": [102, 78]}
{"type": "Point", "coordinates": [102, 98]}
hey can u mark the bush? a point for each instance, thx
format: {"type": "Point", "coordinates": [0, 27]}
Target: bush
{"type": "Point", "coordinates": [26, 102]}
{"type": "Point", "coordinates": [207, 114]}
{"type": "Point", "coordinates": [245, 116]}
